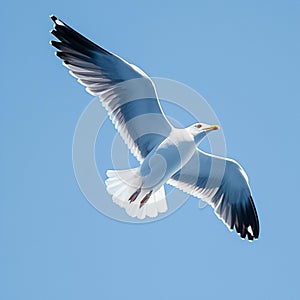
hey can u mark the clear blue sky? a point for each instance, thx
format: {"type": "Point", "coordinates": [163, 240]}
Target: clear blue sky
{"type": "Point", "coordinates": [244, 58]}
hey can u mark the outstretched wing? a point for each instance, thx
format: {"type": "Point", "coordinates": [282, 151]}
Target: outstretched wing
{"type": "Point", "coordinates": [126, 92]}
{"type": "Point", "coordinates": [223, 184]}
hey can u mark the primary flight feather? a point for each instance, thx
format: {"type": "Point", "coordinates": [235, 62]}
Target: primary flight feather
{"type": "Point", "coordinates": [166, 154]}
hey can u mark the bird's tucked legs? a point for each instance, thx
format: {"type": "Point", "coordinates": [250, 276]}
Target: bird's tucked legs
{"type": "Point", "coordinates": [134, 195]}
{"type": "Point", "coordinates": [145, 199]}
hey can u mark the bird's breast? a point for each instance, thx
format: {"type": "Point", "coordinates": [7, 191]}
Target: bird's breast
{"type": "Point", "coordinates": [170, 156]}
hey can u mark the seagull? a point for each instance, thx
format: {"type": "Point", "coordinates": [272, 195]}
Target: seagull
{"type": "Point", "coordinates": [167, 155]}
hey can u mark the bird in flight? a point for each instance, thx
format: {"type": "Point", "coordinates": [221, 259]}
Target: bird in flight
{"type": "Point", "coordinates": [166, 154]}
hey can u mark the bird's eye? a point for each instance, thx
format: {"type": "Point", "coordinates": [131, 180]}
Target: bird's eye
{"type": "Point", "coordinates": [198, 125]}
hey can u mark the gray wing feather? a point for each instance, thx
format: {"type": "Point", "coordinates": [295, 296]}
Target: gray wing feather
{"type": "Point", "coordinates": [223, 184]}
{"type": "Point", "coordinates": [126, 92]}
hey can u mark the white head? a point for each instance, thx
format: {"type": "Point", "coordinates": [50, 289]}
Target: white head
{"type": "Point", "coordinates": [199, 130]}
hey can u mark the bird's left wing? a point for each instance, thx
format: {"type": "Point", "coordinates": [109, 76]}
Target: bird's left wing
{"type": "Point", "coordinates": [126, 92]}
{"type": "Point", "coordinates": [223, 184]}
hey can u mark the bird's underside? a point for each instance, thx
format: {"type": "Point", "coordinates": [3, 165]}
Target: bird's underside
{"type": "Point", "coordinates": [102, 73]}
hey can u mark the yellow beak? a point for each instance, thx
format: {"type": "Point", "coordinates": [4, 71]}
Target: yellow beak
{"type": "Point", "coordinates": [212, 127]}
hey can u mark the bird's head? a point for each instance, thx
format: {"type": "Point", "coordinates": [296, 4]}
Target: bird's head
{"type": "Point", "coordinates": [199, 130]}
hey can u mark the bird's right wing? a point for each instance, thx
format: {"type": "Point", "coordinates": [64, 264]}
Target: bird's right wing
{"type": "Point", "coordinates": [223, 184]}
{"type": "Point", "coordinates": [126, 92]}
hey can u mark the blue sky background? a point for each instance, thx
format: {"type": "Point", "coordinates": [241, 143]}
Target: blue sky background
{"type": "Point", "coordinates": [243, 57]}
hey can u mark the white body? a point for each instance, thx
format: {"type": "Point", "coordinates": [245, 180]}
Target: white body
{"type": "Point", "coordinates": [167, 158]}
{"type": "Point", "coordinates": [156, 169]}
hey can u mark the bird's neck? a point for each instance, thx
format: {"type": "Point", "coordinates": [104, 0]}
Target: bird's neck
{"type": "Point", "coordinates": [199, 137]}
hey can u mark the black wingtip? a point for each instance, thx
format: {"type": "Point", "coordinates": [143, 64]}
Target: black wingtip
{"type": "Point", "coordinates": [55, 43]}
{"type": "Point", "coordinates": [57, 21]}
{"type": "Point", "coordinates": [73, 39]}
{"type": "Point", "coordinates": [53, 18]}
{"type": "Point", "coordinates": [256, 228]}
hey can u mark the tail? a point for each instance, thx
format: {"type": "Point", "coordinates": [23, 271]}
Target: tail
{"type": "Point", "coordinates": [125, 188]}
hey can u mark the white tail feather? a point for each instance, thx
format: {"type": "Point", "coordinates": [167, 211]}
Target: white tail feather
{"type": "Point", "coordinates": [122, 184]}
